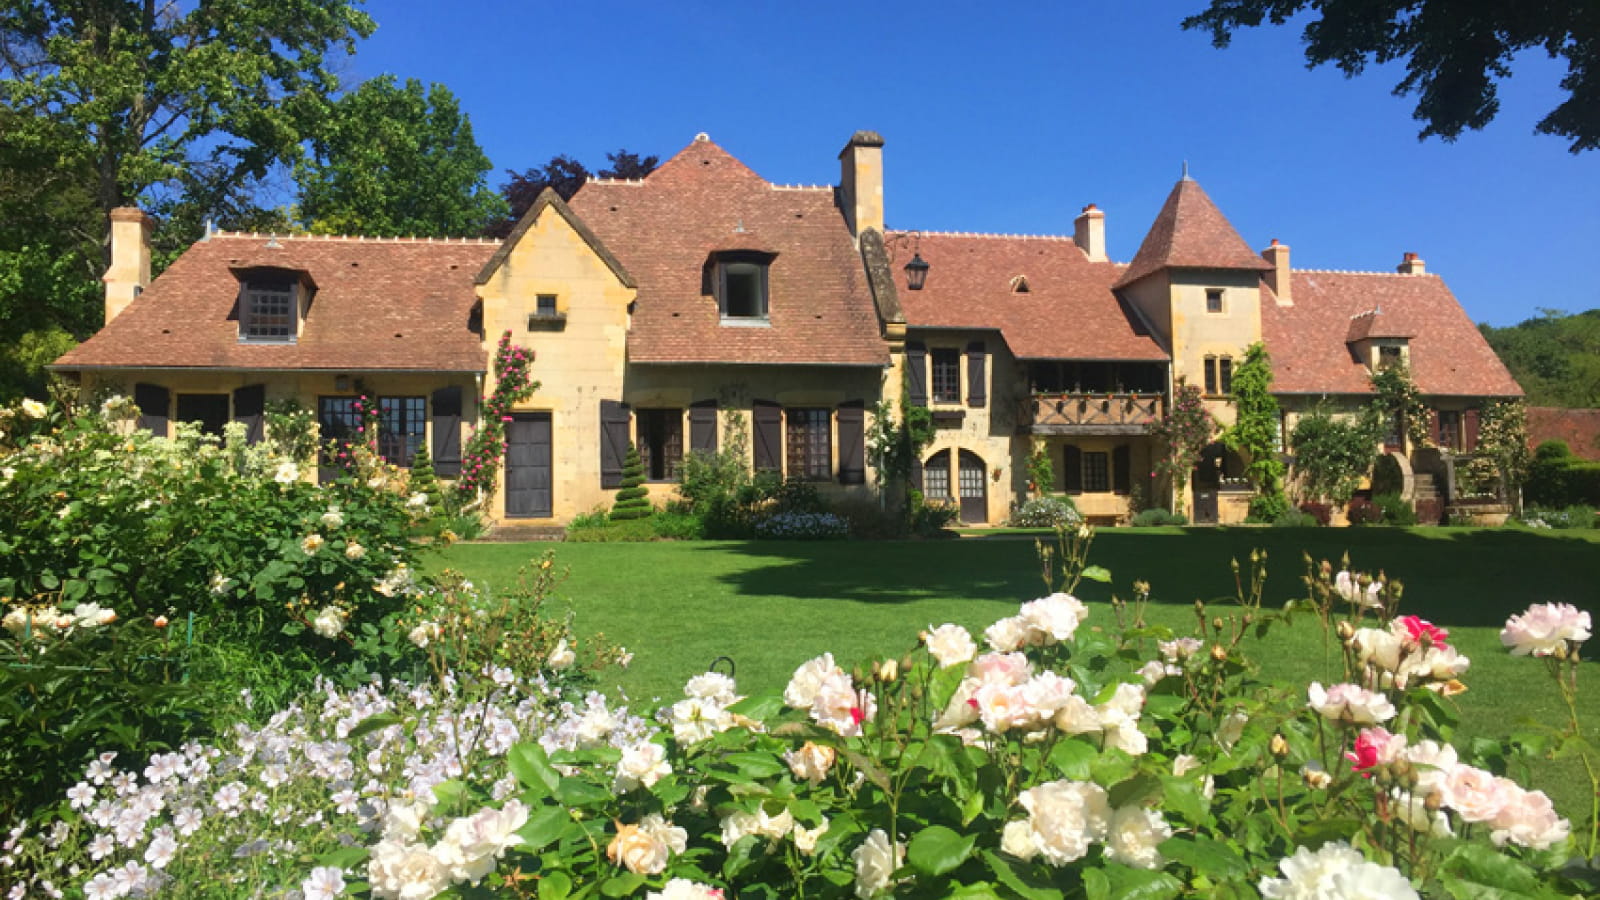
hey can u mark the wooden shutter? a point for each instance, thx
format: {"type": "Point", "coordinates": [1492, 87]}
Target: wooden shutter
{"type": "Point", "coordinates": [153, 401]}
{"type": "Point", "coordinates": [703, 427]}
{"type": "Point", "coordinates": [1072, 469]}
{"type": "Point", "coordinates": [447, 432]}
{"type": "Point", "coordinates": [917, 373]}
{"type": "Point", "coordinates": [852, 443]}
{"type": "Point", "coordinates": [250, 407]}
{"type": "Point", "coordinates": [768, 435]}
{"type": "Point", "coordinates": [1469, 425]}
{"type": "Point", "coordinates": [977, 382]}
{"type": "Point", "coordinates": [1433, 429]}
{"type": "Point", "coordinates": [1121, 462]}
{"type": "Point", "coordinates": [614, 424]}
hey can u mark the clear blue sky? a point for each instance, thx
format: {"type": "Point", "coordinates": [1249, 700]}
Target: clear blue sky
{"type": "Point", "coordinates": [1009, 117]}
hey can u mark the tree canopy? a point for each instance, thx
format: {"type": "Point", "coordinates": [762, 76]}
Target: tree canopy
{"type": "Point", "coordinates": [1554, 356]}
{"type": "Point", "coordinates": [397, 159]}
{"type": "Point", "coordinates": [566, 175]}
{"type": "Point", "coordinates": [1455, 52]}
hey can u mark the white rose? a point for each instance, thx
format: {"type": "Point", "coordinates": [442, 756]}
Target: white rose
{"type": "Point", "coordinates": [288, 473]}
{"type": "Point", "coordinates": [712, 686]}
{"type": "Point", "coordinates": [1350, 703]}
{"type": "Point", "coordinates": [695, 720]}
{"type": "Point", "coordinates": [424, 633]}
{"type": "Point", "coordinates": [562, 656]}
{"type": "Point", "coordinates": [354, 550]}
{"type": "Point", "coordinates": [332, 520]}
{"type": "Point", "coordinates": [951, 645]}
{"type": "Point", "coordinates": [1066, 816]}
{"type": "Point", "coordinates": [329, 622]}
{"type": "Point", "coordinates": [805, 839]}
{"type": "Point", "coordinates": [1017, 840]}
{"type": "Point", "coordinates": [33, 409]}
{"type": "Point", "coordinates": [876, 860]}
{"type": "Point", "coordinates": [405, 872]}
{"type": "Point", "coordinates": [801, 691]}
{"type": "Point", "coordinates": [638, 850]}
{"type": "Point", "coordinates": [1008, 635]}
{"type": "Point", "coordinates": [811, 762]}
{"type": "Point", "coordinates": [1054, 618]}
{"type": "Point", "coordinates": [684, 889]}
{"type": "Point", "coordinates": [1134, 834]}
{"type": "Point", "coordinates": [1545, 628]}
{"type": "Point", "coordinates": [642, 764]}
{"type": "Point", "coordinates": [839, 706]}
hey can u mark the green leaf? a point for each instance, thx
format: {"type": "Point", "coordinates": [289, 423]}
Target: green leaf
{"type": "Point", "coordinates": [1206, 856]}
{"type": "Point", "coordinates": [757, 764]}
{"type": "Point", "coordinates": [1098, 573]}
{"type": "Point", "coordinates": [936, 850]}
{"type": "Point", "coordinates": [1127, 883]}
{"type": "Point", "coordinates": [1011, 878]}
{"type": "Point", "coordinates": [1135, 790]}
{"type": "Point", "coordinates": [555, 886]}
{"type": "Point", "coordinates": [449, 792]}
{"type": "Point", "coordinates": [344, 857]}
{"type": "Point", "coordinates": [621, 885]}
{"type": "Point", "coordinates": [373, 723]}
{"type": "Point", "coordinates": [529, 763]}
{"type": "Point", "coordinates": [760, 707]}
{"type": "Point", "coordinates": [1472, 871]}
{"type": "Point", "coordinates": [1315, 834]}
{"type": "Point", "coordinates": [544, 827]}
{"type": "Point", "coordinates": [1072, 758]}
{"type": "Point", "coordinates": [577, 792]}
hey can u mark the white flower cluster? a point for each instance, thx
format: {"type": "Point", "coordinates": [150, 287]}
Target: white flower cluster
{"type": "Point", "coordinates": [42, 622]}
{"type": "Point", "coordinates": [1350, 703]}
{"type": "Point", "coordinates": [404, 868]}
{"type": "Point", "coordinates": [797, 526]}
{"type": "Point", "coordinates": [1335, 870]}
{"type": "Point", "coordinates": [1066, 817]}
{"type": "Point", "coordinates": [1348, 586]}
{"type": "Point", "coordinates": [704, 710]}
{"type": "Point", "coordinates": [1409, 652]}
{"type": "Point", "coordinates": [1040, 623]}
{"type": "Point", "coordinates": [645, 848]}
{"type": "Point", "coordinates": [1546, 629]}
{"type": "Point", "coordinates": [831, 696]}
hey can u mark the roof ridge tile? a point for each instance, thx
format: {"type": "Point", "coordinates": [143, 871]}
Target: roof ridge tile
{"type": "Point", "coordinates": [353, 238]}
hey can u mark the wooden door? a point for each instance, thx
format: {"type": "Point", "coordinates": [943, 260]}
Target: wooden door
{"type": "Point", "coordinates": [974, 488]}
{"type": "Point", "coordinates": [528, 481]}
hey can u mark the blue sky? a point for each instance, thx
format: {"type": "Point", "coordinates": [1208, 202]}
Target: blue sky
{"type": "Point", "coordinates": [1009, 117]}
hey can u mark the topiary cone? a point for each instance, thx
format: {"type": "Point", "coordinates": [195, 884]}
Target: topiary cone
{"type": "Point", "coordinates": [633, 501]}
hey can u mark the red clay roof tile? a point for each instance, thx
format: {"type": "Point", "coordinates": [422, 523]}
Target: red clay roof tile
{"type": "Point", "coordinates": [1190, 233]}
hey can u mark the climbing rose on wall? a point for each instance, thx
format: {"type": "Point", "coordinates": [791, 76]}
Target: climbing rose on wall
{"type": "Point", "coordinates": [480, 463]}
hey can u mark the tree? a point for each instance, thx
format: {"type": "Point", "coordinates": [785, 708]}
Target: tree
{"type": "Point", "coordinates": [395, 160]}
{"type": "Point", "coordinates": [1554, 356]}
{"type": "Point", "coordinates": [566, 175]}
{"type": "Point", "coordinates": [1331, 454]}
{"type": "Point", "coordinates": [1455, 52]}
{"type": "Point", "coordinates": [1255, 432]}
{"type": "Point", "coordinates": [633, 501]}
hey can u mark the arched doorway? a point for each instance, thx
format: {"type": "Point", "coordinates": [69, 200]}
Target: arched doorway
{"type": "Point", "coordinates": [973, 484]}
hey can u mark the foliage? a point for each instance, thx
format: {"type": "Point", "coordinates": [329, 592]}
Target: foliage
{"type": "Point", "coordinates": [1552, 450]}
{"type": "Point", "coordinates": [480, 461]}
{"type": "Point", "coordinates": [931, 519]}
{"type": "Point", "coordinates": [633, 499]}
{"type": "Point", "coordinates": [1387, 476]}
{"type": "Point", "coordinates": [1361, 511]}
{"type": "Point", "coordinates": [802, 526]}
{"type": "Point", "coordinates": [1184, 431]}
{"type": "Point", "coordinates": [1305, 517]}
{"type": "Point", "coordinates": [1045, 512]}
{"type": "Point", "coordinates": [396, 160]}
{"type": "Point", "coordinates": [894, 447]}
{"type": "Point", "coordinates": [1454, 54]}
{"type": "Point", "coordinates": [1267, 507]}
{"type": "Point", "coordinates": [1111, 755]}
{"type": "Point", "coordinates": [1331, 454]}
{"type": "Point", "coordinates": [1157, 516]}
{"type": "Point", "coordinates": [1041, 471]}
{"type": "Point", "coordinates": [291, 430]}
{"type": "Point", "coordinates": [1577, 516]}
{"type": "Point", "coordinates": [1398, 397]}
{"type": "Point", "coordinates": [565, 175]}
{"type": "Point", "coordinates": [1254, 433]}
{"type": "Point", "coordinates": [1395, 509]}
{"type": "Point", "coordinates": [1555, 357]}
{"type": "Point", "coordinates": [1558, 481]}
{"type": "Point", "coordinates": [1502, 453]}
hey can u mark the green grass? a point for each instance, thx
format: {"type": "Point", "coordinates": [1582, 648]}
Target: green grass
{"type": "Point", "coordinates": [772, 605]}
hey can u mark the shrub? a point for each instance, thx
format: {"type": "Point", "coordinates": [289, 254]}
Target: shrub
{"type": "Point", "coordinates": [1361, 511]}
{"type": "Point", "coordinates": [1267, 507]}
{"type": "Point", "coordinates": [932, 519]}
{"type": "Point", "coordinates": [1572, 517]}
{"type": "Point", "coordinates": [1045, 512]}
{"type": "Point", "coordinates": [1157, 516]}
{"type": "Point", "coordinates": [1297, 518]}
{"type": "Point", "coordinates": [633, 500]}
{"type": "Point", "coordinates": [594, 518]}
{"type": "Point", "coordinates": [677, 524]}
{"type": "Point", "coordinates": [1552, 449]}
{"type": "Point", "coordinates": [1396, 511]}
{"type": "Point", "coordinates": [868, 518]}
{"type": "Point", "coordinates": [614, 531]}
{"type": "Point", "coordinates": [1321, 512]}
{"type": "Point", "coordinates": [802, 526]}
{"type": "Point", "coordinates": [1387, 478]}
{"type": "Point", "coordinates": [1561, 481]}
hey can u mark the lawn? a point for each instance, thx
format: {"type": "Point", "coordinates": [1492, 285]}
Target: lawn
{"type": "Point", "coordinates": [771, 605]}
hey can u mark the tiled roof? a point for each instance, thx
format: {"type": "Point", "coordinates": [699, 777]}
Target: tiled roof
{"type": "Point", "coordinates": [1068, 312]}
{"type": "Point", "coordinates": [1309, 340]}
{"type": "Point", "coordinates": [1190, 232]}
{"type": "Point", "coordinates": [702, 201]}
{"type": "Point", "coordinates": [1377, 323]}
{"type": "Point", "coordinates": [1580, 428]}
{"type": "Point", "coordinates": [379, 304]}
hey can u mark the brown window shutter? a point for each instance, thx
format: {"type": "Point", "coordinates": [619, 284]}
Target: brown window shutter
{"type": "Point", "coordinates": [250, 407]}
{"type": "Point", "coordinates": [153, 401]}
{"type": "Point", "coordinates": [768, 435]}
{"type": "Point", "coordinates": [852, 443]}
{"type": "Point", "coordinates": [1072, 469]}
{"type": "Point", "coordinates": [916, 374]}
{"type": "Point", "coordinates": [614, 424]}
{"type": "Point", "coordinates": [1121, 462]}
{"type": "Point", "coordinates": [703, 427]}
{"type": "Point", "coordinates": [1470, 418]}
{"type": "Point", "coordinates": [1433, 428]}
{"type": "Point", "coordinates": [447, 432]}
{"type": "Point", "coordinates": [977, 383]}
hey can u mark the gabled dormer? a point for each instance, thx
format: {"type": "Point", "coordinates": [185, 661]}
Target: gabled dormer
{"type": "Point", "coordinates": [1379, 340]}
{"type": "Point", "coordinates": [273, 302]}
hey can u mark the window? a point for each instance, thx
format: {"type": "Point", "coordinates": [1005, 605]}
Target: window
{"type": "Point", "coordinates": [1213, 300]}
{"type": "Point", "coordinates": [210, 410]}
{"type": "Point", "coordinates": [1219, 375]}
{"type": "Point", "coordinates": [401, 427]}
{"type": "Point", "coordinates": [1096, 471]}
{"type": "Point", "coordinates": [810, 449]}
{"type": "Point", "coordinates": [946, 375]}
{"type": "Point", "coordinates": [661, 443]}
{"type": "Point", "coordinates": [1449, 429]}
{"type": "Point", "coordinates": [936, 476]}
{"type": "Point", "coordinates": [267, 311]}
{"type": "Point", "coordinates": [740, 282]}
{"type": "Point", "coordinates": [339, 420]}
{"type": "Point", "coordinates": [546, 305]}
{"type": "Point", "coordinates": [1388, 355]}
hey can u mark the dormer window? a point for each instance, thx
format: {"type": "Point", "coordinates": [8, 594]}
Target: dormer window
{"type": "Point", "coordinates": [739, 280]}
{"type": "Point", "coordinates": [269, 310]}
{"type": "Point", "coordinates": [1390, 355]}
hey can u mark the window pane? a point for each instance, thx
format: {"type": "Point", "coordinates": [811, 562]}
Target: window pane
{"type": "Point", "coordinates": [1213, 301]}
{"type": "Point", "coordinates": [741, 291]}
{"type": "Point", "coordinates": [1211, 374]}
{"type": "Point", "coordinates": [401, 427]}
{"type": "Point", "coordinates": [810, 447]}
{"type": "Point", "coordinates": [946, 375]}
{"type": "Point", "coordinates": [936, 476]}
{"type": "Point", "coordinates": [971, 477]}
{"type": "Point", "coordinates": [268, 312]}
{"type": "Point", "coordinates": [1225, 374]}
{"type": "Point", "coordinates": [1096, 472]}
{"type": "Point", "coordinates": [661, 443]}
{"type": "Point", "coordinates": [338, 420]}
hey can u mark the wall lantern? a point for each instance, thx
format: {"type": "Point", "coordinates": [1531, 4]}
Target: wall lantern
{"type": "Point", "coordinates": [916, 272]}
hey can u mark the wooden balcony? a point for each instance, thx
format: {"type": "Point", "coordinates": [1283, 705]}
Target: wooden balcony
{"type": "Point", "coordinates": [1089, 414]}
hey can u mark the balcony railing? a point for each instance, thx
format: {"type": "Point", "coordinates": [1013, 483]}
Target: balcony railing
{"type": "Point", "coordinates": [1099, 413]}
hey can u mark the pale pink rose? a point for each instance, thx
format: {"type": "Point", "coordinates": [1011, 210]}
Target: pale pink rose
{"type": "Point", "coordinates": [811, 762]}
{"type": "Point", "coordinates": [1350, 703]}
{"type": "Point", "coordinates": [1180, 649]}
{"type": "Point", "coordinates": [1066, 817]}
{"type": "Point", "coordinates": [1076, 716]}
{"type": "Point", "coordinates": [1001, 706]}
{"type": "Point", "coordinates": [638, 850]}
{"type": "Point", "coordinates": [1008, 635]}
{"type": "Point", "coordinates": [1375, 747]}
{"type": "Point", "coordinates": [1377, 647]}
{"type": "Point", "coordinates": [1133, 835]}
{"type": "Point", "coordinates": [1054, 618]}
{"type": "Point", "coordinates": [1005, 668]}
{"type": "Point", "coordinates": [1529, 820]}
{"type": "Point", "coordinates": [801, 691]}
{"type": "Point", "coordinates": [962, 709]}
{"type": "Point", "coordinates": [1432, 763]}
{"type": "Point", "coordinates": [1045, 693]}
{"type": "Point", "coordinates": [1545, 628]}
{"type": "Point", "coordinates": [1155, 670]}
{"type": "Point", "coordinates": [839, 706]}
{"type": "Point", "coordinates": [1476, 795]}
{"type": "Point", "coordinates": [951, 645]}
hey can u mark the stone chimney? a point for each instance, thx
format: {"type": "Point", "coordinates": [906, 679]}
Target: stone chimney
{"type": "Point", "coordinates": [1412, 264]}
{"type": "Point", "coordinates": [130, 258]}
{"type": "Point", "coordinates": [861, 182]}
{"type": "Point", "coordinates": [1279, 279]}
{"type": "Point", "coordinates": [1089, 233]}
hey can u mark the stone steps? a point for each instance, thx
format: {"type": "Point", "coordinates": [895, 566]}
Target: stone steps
{"type": "Point", "coordinates": [513, 534]}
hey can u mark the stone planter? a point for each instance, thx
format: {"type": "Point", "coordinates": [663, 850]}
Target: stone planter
{"type": "Point", "coordinates": [1478, 515]}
